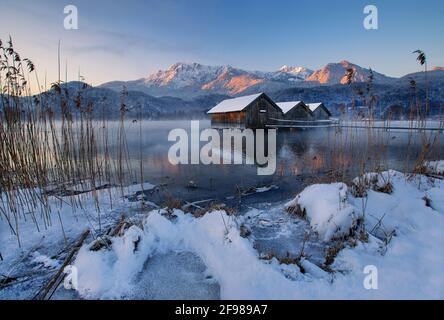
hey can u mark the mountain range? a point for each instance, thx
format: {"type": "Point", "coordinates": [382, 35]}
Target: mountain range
{"type": "Point", "coordinates": [188, 80]}
{"type": "Point", "coordinates": [190, 89]}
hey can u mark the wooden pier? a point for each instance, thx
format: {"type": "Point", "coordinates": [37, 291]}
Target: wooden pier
{"type": "Point", "coordinates": [302, 124]}
{"type": "Point", "coordinates": [388, 126]}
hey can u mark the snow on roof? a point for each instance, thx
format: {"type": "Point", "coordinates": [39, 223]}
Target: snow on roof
{"type": "Point", "coordinates": [233, 105]}
{"type": "Point", "coordinates": [287, 106]}
{"type": "Point", "coordinates": [314, 106]}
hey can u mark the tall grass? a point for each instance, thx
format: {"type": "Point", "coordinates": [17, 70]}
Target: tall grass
{"type": "Point", "coordinates": [368, 147]}
{"type": "Point", "coordinates": [50, 142]}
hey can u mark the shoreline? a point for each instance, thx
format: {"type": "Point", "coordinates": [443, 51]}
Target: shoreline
{"type": "Point", "coordinates": [270, 232]}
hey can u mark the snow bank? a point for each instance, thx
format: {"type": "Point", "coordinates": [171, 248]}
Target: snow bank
{"type": "Point", "coordinates": [39, 246]}
{"type": "Point", "coordinates": [436, 196]}
{"type": "Point", "coordinates": [327, 209]}
{"type": "Point", "coordinates": [409, 264]}
{"type": "Point", "coordinates": [377, 181]}
{"type": "Point", "coordinates": [215, 238]}
{"type": "Point", "coordinates": [436, 167]}
{"type": "Point", "coordinates": [405, 244]}
{"type": "Point", "coordinates": [107, 273]}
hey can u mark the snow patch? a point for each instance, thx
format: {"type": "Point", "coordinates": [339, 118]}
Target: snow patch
{"type": "Point", "coordinates": [436, 167]}
{"type": "Point", "coordinates": [46, 261]}
{"type": "Point", "coordinates": [327, 209]}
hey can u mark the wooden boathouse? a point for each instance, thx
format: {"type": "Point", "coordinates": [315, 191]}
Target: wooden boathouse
{"type": "Point", "coordinates": [319, 111]}
{"type": "Point", "coordinates": [260, 111]}
{"type": "Point", "coordinates": [295, 110]}
{"type": "Point", "coordinates": [253, 111]}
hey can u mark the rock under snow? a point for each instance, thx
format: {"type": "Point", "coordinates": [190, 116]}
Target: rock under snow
{"type": "Point", "coordinates": [328, 210]}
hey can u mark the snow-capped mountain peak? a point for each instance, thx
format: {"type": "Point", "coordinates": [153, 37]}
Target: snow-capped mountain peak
{"type": "Point", "coordinates": [195, 77]}
{"type": "Point", "coordinates": [295, 70]}
{"type": "Point", "coordinates": [183, 74]}
{"type": "Point", "coordinates": [334, 73]}
{"type": "Point", "coordinates": [188, 80]}
{"type": "Point", "coordinates": [292, 73]}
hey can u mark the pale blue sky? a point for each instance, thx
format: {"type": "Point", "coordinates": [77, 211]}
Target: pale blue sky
{"type": "Point", "coordinates": [125, 40]}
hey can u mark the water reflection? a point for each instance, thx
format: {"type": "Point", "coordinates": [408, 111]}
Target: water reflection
{"type": "Point", "coordinates": [302, 157]}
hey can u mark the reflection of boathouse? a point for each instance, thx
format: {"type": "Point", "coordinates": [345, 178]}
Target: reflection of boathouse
{"type": "Point", "coordinates": [260, 111]}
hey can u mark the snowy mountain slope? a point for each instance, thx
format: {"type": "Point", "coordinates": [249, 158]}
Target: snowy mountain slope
{"type": "Point", "coordinates": [299, 72]}
{"type": "Point", "coordinates": [334, 73]}
{"type": "Point", "coordinates": [188, 80]}
{"type": "Point", "coordinates": [187, 98]}
{"type": "Point", "coordinates": [193, 89]}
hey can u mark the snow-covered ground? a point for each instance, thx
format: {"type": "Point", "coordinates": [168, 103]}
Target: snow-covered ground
{"type": "Point", "coordinates": [44, 248]}
{"type": "Point", "coordinates": [316, 246]}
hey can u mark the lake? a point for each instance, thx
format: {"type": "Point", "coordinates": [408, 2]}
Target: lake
{"type": "Point", "coordinates": [303, 157]}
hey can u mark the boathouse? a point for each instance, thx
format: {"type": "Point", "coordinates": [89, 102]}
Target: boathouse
{"type": "Point", "coordinates": [295, 110]}
{"type": "Point", "coordinates": [319, 111]}
{"type": "Point", "coordinates": [253, 111]}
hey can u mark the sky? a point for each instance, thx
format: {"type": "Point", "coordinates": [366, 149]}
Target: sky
{"type": "Point", "coordinates": [128, 40]}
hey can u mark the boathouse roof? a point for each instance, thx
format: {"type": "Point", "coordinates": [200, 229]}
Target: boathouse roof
{"type": "Point", "coordinates": [287, 106]}
{"type": "Point", "coordinates": [235, 104]}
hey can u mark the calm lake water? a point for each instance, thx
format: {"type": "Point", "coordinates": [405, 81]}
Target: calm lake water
{"type": "Point", "coordinates": [303, 157]}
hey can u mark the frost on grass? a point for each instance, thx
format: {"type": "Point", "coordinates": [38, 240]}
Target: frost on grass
{"type": "Point", "coordinates": [328, 210]}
